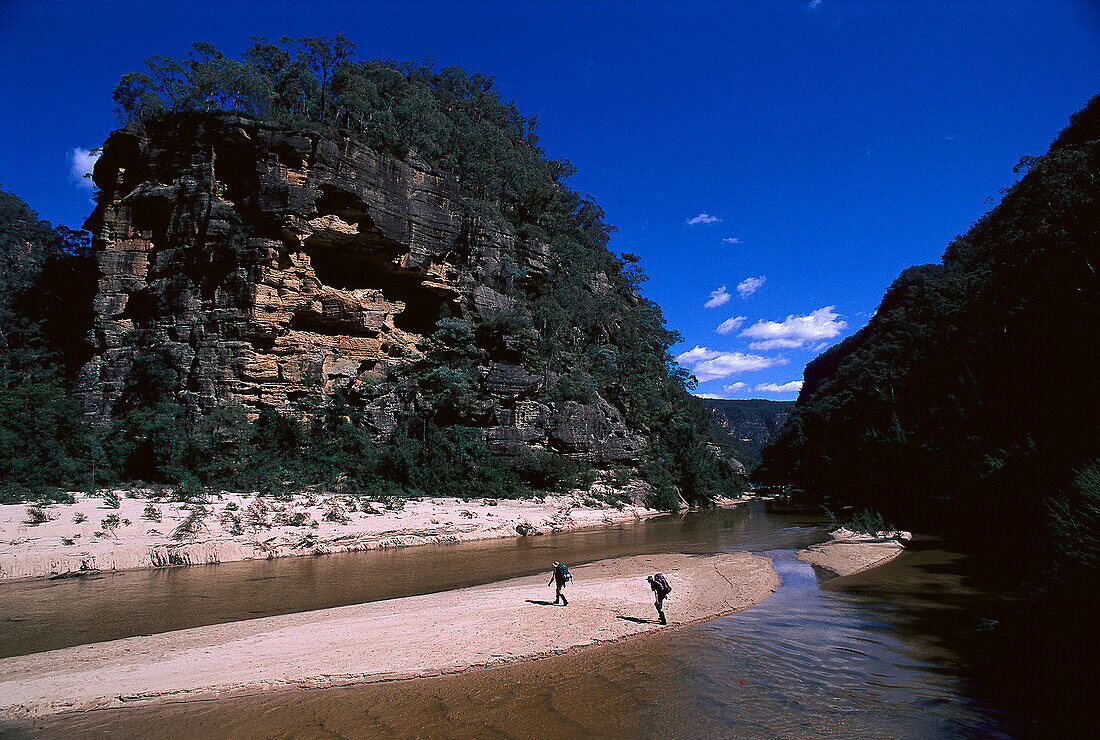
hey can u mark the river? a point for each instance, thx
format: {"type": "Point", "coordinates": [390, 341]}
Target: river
{"type": "Point", "coordinates": [871, 655]}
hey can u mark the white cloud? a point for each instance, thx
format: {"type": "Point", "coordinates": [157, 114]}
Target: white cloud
{"type": "Point", "coordinates": [717, 298]}
{"type": "Point", "coordinates": [729, 363]}
{"type": "Point", "coordinates": [815, 4]}
{"type": "Point", "coordinates": [793, 387]}
{"type": "Point", "coordinates": [81, 162]}
{"type": "Point", "coordinates": [750, 285]}
{"type": "Point", "coordinates": [770, 344]}
{"type": "Point", "coordinates": [737, 387]}
{"type": "Point", "coordinates": [731, 240]}
{"type": "Point", "coordinates": [711, 365]}
{"type": "Point", "coordinates": [702, 218]}
{"type": "Point", "coordinates": [696, 354]}
{"type": "Point", "coordinates": [731, 325]}
{"type": "Point", "coordinates": [714, 396]}
{"type": "Point", "coordinates": [796, 331]}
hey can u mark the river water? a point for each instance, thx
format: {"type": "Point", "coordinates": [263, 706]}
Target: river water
{"type": "Point", "coordinates": [871, 655]}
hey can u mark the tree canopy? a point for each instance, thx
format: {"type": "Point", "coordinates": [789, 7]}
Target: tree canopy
{"type": "Point", "coordinates": [449, 118]}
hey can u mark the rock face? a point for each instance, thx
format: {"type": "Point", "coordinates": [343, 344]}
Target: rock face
{"type": "Point", "coordinates": [748, 426]}
{"type": "Point", "coordinates": [269, 266]}
{"type": "Point", "coordinates": [754, 421]}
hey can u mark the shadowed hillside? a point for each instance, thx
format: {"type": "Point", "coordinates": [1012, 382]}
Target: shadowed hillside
{"type": "Point", "coordinates": [970, 396]}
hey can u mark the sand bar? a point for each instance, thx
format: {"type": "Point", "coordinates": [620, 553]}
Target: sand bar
{"type": "Point", "coordinates": [853, 552]}
{"type": "Point", "coordinates": [90, 535]}
{"type": "Point", "coordinates": [386, 640]}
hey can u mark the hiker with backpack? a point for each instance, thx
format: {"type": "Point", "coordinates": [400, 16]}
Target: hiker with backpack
{"type": "Point", "coordinates": [660, 587]}
{"type": "Point", "coordinates": [560, 577]}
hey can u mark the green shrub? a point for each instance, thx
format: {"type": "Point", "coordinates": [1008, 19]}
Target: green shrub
{"type": "Point", "coordinates": [663, 498]}
{"type": "Point", "coordinates": [226, 212]}
{"type": "Point", "coordinates": [110, 523]}
{"type": "Point", "coordinates": [189, 489]}
{"type": "Point", "coordinates": [393, 503]}
{"type": "Point", "coordinates": [192, 524]}
{"type": "Point", "coordinates": [575, 385]}
{"type": "Point", "coordinates": [256, 514]}
{"type": "Point", "coordinates": [1073, 523]}
{"type": "Point", "coordinates": [336, 513]}
{"type": "Point", "coordinates": [231, 523]}
{"type": "Point", "coordinates": [43, 443]}
{"type": "Point", "coordinates": [36, 515]}
{"type": "Point", "coordinates": [614, 497]}
{"type": "Point", "coordinates": [548, 471]}
{"type": "Point", "coordinates": [869, 521]}
{"type": "Point", "coordinates": [291, 519]}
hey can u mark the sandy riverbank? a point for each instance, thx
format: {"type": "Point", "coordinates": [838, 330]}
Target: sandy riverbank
{"type": "Point", "coordinates": [854, 552]}
{"type": "Point", "coordinates": [142, 532]}
{"type": "Point", "coordinates": [387, 640]}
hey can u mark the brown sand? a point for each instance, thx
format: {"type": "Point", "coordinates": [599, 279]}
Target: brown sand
{"type": "Point", "coordinates": [851, 552]}
{"type": "Point", "coordinates": [402, 638]}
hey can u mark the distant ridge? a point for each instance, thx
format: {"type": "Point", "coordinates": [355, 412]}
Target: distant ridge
{"type": "Point", "coordinates": [747, 426]}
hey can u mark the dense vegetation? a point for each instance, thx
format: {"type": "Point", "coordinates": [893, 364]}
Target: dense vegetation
{"type": "Point", "coordinates": [969, 403]}
{"type": "Point", "coordinates": [583, 325]}
{"type": "Point", "coordinates": [46, 286]}
{"type": "Point", "coordinates": [451, 119]}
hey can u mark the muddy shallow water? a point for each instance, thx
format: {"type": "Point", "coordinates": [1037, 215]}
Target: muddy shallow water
{"type": "Point", "coordinates": [866, 656]}
{"type": "Point", "coordinates": [50, 614]}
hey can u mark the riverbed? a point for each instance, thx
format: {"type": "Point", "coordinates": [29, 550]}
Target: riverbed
{"type": "Point", "coordinates": [866, 656]}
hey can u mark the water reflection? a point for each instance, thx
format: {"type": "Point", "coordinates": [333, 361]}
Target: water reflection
{"type": "Point", "coordinates": [108, 606]}
{"type": "Point", "coordinates": [864, 656]}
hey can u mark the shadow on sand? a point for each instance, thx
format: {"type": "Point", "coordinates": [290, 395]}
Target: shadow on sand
{"type": "Point", "coordinates": [541, 603]}
{"type": "Point", "coordinates": [637, 620]}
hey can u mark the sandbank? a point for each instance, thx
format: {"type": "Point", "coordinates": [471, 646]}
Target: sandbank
{"type": "Point", "coordinates": [89, 535]}
{"type": "Point", "coordinates": [851, 552]}
{"type": "Point", "coordinates": [403, 638]}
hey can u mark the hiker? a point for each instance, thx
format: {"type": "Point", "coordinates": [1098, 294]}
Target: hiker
{"type": "Point", "coordinates": [660, 586]}
{"type": "Point", "coordinates": [561, 577]}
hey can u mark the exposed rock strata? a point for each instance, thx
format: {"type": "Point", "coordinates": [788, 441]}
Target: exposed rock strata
{"type": "Point", "coordinates": [271, 266]}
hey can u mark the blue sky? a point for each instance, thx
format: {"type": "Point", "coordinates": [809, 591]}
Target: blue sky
{"type": "Point", "coordinates": [775, 164]}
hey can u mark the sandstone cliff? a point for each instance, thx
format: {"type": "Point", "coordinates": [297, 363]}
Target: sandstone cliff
{"type": "Point", "coordinates": [272, 267]}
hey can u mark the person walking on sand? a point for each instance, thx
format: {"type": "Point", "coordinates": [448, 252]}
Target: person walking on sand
{"type": "Point", "coordinates": [660, 587]}
{"type": "Point", "coordinates": [561, 577]}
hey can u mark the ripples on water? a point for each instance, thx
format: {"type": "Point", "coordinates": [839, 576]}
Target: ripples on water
{"type": "Point", "coordinates": [810, 662]}
{"type": "Point", "coordinates": [813, 660]}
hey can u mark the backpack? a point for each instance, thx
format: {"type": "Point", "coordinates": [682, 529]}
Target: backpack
{"type": "Point", "coordinates": [562, 573]}
{"type": "Point", "coordinates": [662, 583]}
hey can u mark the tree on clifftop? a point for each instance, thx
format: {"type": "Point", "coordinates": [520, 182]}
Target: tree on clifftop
{"type": "Point", "coordinates": [579, 322]}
